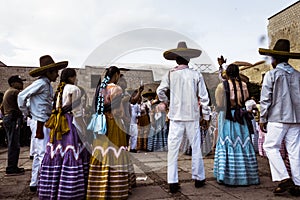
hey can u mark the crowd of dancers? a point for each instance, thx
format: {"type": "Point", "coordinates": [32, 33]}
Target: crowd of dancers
{"type": "Point", "coordinates": [88, 157]}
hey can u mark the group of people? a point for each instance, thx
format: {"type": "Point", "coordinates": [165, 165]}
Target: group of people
{"type": "Point", "coordinates": [76, 162]}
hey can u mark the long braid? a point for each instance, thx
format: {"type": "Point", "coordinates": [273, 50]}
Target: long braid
{"type": "Point", "coordinates": [100, 103]}
{"type": "Point", "coordinates": [107, 78]}
{"type": "Point", "coordinates": [58, 93]}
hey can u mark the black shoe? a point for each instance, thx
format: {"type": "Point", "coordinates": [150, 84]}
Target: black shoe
{"type": "Point", "coordinates": [174, 187]}
{"type": "Point", "coordinates": [295, 191]}
{"type": "Point", "coordinates": [199, 183]}
{"type": "Point", "coordinates": [15, 172]}
{"type": "Point", "coordinates": [31, 157]}
{"type": "Point", "coordinates": [133, 150]}
{"type": "Point", "coordinates": [283, 186]}
{"type": "Point", "coordinates": [33, 188]}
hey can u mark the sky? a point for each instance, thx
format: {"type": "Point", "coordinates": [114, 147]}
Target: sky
{"type": "Point", "coordinates": [73, 30]}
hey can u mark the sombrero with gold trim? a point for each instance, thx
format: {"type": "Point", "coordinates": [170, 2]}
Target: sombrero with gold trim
{"type": "Point", "coordinates": [181, 51]}
{"type": "Point", "coordinates": [46, 63]}
{"type": "Point", "coordinates": [281, 48]}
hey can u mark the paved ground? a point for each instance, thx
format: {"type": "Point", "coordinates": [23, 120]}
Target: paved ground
{"type": "Point", "coordinates": [151, 173]}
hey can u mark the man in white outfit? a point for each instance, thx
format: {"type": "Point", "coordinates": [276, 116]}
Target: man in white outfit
{"type": "Point", "coordinates": [280, 116]}
{"type": "Point", "coordinates": [133, 130]}
{"type": "Point", "coordinates": [35, 102]}
{"type": "Point", "coordinates": [187, 89]}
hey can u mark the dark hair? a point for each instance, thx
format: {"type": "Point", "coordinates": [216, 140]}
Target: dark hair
{"type": "Point", "coordinates": [182, 60]}
{"type": "Point", "coordinates": [66, 74]}
{"type": "Point", "coordinates": [233, 74]}
{"type": "Point", "coordinates": [233, 71]}
{"type": "Point", "coordinates": [280, 59]}
{"type": "Point", "coordinates": [111, 71]}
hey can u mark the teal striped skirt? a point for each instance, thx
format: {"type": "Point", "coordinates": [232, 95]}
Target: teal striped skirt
{"type": "Point", "coordinates": [235, 159]}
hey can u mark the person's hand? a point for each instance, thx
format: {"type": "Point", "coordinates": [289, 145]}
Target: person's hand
{"type": "Point", "coordinates": [67, 108]}
{"type": "Point", "coordinates": [204, 124]}
{"type": "Point", "coordinates": [141, 88]}
{"type": "Point", "coordinates": [263, 126]}
{"type": "Point", "coordinates": [221, 60]}
{"type": "Point", "coordinates": [29, 116]}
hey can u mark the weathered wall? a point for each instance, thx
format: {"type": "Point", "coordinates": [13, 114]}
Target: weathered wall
{"type": "Point", "coordinates": [284, 24]}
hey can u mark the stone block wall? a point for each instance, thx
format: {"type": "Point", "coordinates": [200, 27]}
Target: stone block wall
{"type": "Point", "coordinates": [286, 25]}
{"type": "Point", "coordinates": [256, 73]}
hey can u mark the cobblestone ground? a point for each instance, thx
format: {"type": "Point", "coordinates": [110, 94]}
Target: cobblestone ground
{"type": "Point", "coordinates": [151, 171]}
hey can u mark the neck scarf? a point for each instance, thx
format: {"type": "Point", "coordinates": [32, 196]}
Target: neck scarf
{"type": "Point", "coordinates": [286, 67]}
{"type": "Point", "coordinates": [57, 122]}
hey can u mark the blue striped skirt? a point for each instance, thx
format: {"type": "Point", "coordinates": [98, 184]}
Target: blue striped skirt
{"type": "Point", "coordinates": [235, 160]}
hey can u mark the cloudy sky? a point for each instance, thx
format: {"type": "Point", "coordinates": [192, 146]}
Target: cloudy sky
{"type": "Point", "coordinates": [73, 29]}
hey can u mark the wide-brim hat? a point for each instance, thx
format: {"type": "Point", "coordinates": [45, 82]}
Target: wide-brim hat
{"type": "Point", "coordinates": [149, 93]}
{"type": "Point", "coordinates": [46, 63]}
{"type": "Point", "coordinates": [281, 48]}
{"type": "Point", "coordinates": [181, 51]}
{"type": "Point", "coordinates": [15, 78]}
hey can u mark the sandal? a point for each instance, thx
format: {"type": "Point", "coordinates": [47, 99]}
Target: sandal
{"type": "Point", "coordinates": [283, 186]}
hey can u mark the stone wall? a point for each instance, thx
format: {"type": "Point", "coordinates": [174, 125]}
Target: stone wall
{"type": "Point", "coordinates": [286, 24]}
{"type": "Point", "coordinates": [255, 73]}
{"type": "Point", "coordinates": [133, 78]}
{"type": "Point", "coordinates": [84, 77]}
{"type": "Point", "coordinates": [8, 71]}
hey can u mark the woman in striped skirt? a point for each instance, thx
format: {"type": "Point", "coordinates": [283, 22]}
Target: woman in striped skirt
{"type": "Point", "coordinates": [158, 136]}
{"type": "Point", "coordinates": [235, 160]}
{"type": "Point", "coordinates": [111, 173]}
{"type": "Point", "coordinates": [64, 167]}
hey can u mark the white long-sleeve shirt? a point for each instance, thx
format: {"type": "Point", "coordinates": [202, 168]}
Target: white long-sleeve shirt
{"type": "Point", "coordinates": [39, 96]}
{"type": "Point", "coordinates": [187, 88]}
{"type": "Point", "coordinates": [135, 112]}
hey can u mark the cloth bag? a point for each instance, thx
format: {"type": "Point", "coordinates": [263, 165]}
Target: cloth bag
{"type": "Point", "coordinates": [98, 124]}
{"type": "Point", "coordinates": [98, 121]}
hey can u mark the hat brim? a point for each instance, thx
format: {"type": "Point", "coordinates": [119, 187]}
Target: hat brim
{"type": "Point", "coordinates": [149, 94]}
{"type": "Point", "coordinates": [182, 52]}
{"type": "Point", "coordinates": [41, 70]}
{"type": "Point", "coordinates": [270, 52]}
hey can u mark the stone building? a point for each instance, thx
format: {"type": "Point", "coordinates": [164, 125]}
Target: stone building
{"type": "Point", "coordinates": [284, 24]}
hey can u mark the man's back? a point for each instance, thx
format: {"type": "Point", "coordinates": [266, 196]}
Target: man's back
{"type": "Point", "coordinates": [186, 86]}
{"type": "Point", "coordinates": [285, 90]}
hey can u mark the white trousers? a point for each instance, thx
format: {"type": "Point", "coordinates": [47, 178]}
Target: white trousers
{"type": "Point", "coordinates": [133, 132]}
{"type": "Point", "coordinates": [176, 131]}
{"type": "Point", "coordinates": [291, 134]}
{"type": "Point", "coordinates": [38, 148]}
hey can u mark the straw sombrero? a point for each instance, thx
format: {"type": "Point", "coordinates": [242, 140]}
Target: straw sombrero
{"type": "Point", "coordinates": [149, 93]}
{"type": "Point", "coordinates": [281, 48]}
{"type": "Point", "coordinates": [182, 51]}
{"type": "Point", "coordinates": [46, 63]}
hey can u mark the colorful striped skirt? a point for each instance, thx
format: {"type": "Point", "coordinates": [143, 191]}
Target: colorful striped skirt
{"type": "Point", "coordinates": [158, 136]}
{"type": "Point", "coordinates": [64, 169]}
{"type": "Point", "coordinates": [111, 173]}
{"type": "Point", "coordinates": [235, 160]}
